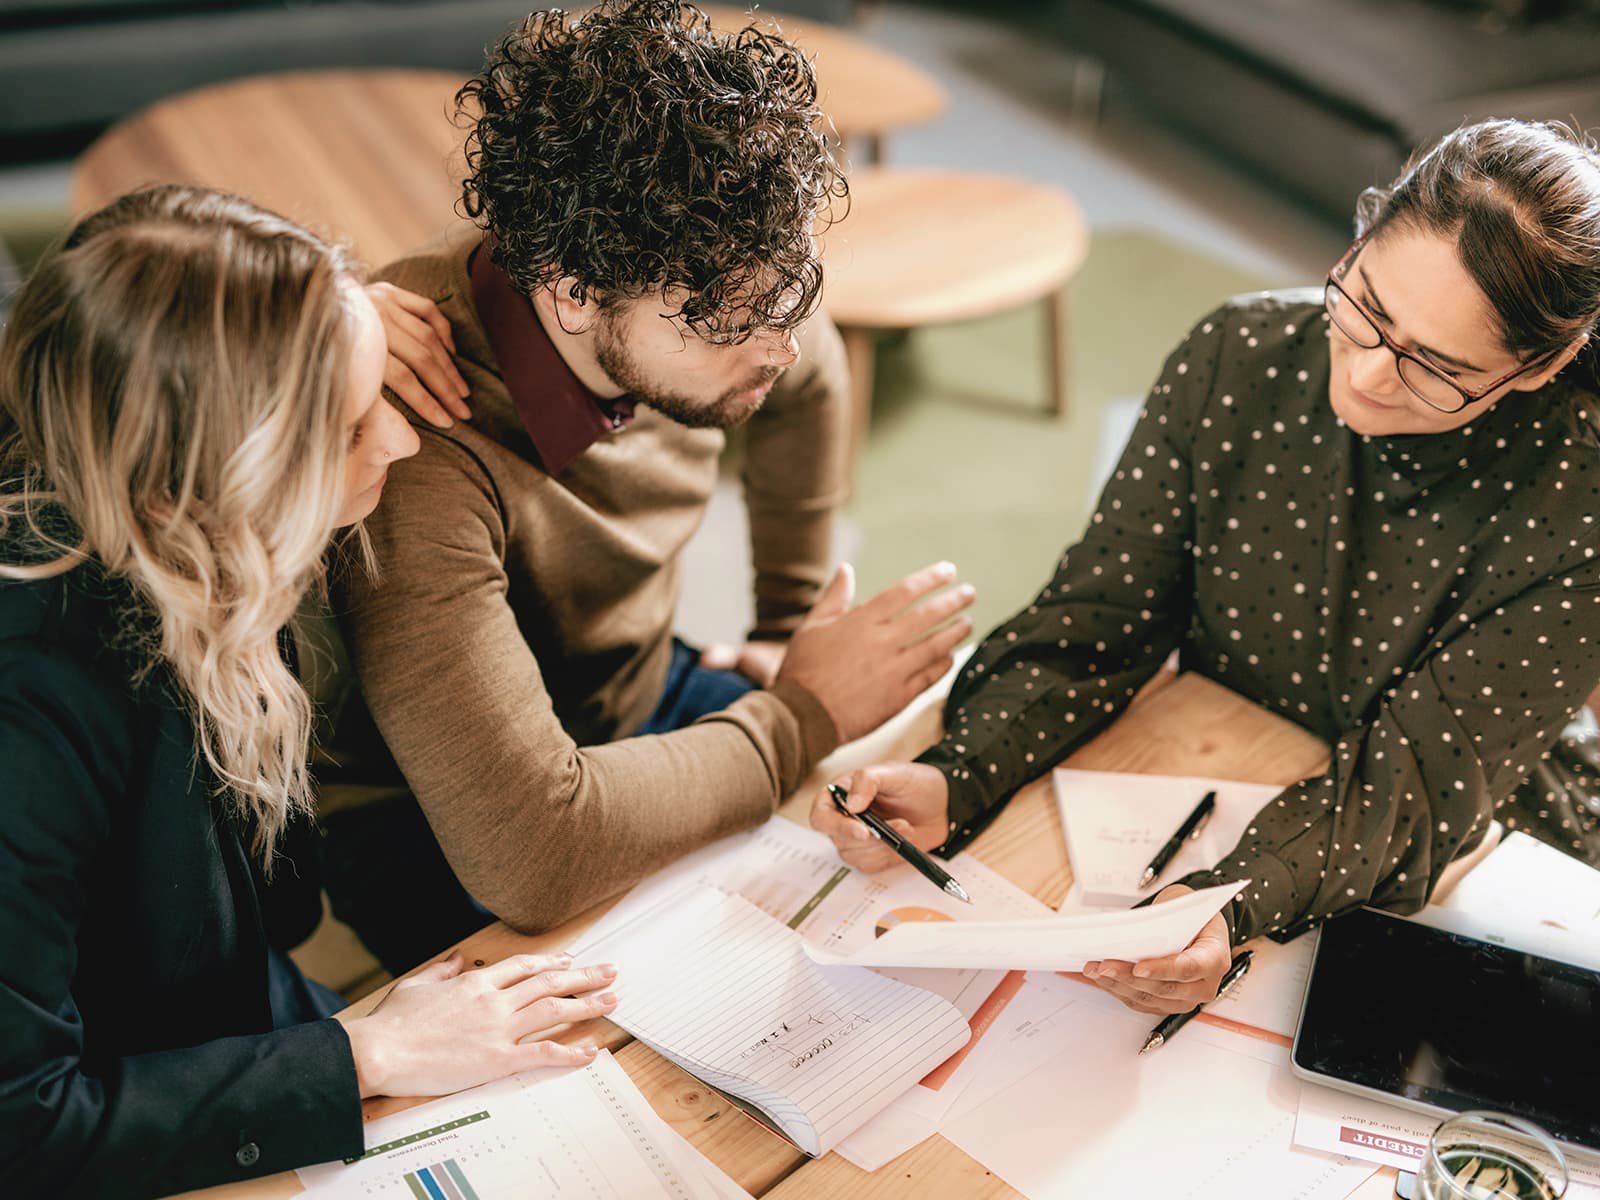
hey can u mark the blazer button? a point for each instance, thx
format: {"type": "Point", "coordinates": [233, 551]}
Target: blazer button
{"type": "Point", "coordinates": [248, 1155]}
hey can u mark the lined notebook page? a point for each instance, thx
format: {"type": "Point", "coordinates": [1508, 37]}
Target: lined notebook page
{"type": "Point", "coordinates": [714, 984]}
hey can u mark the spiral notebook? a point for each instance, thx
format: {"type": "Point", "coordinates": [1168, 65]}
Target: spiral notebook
{"type": "Point", "coordinates": [726, 992]}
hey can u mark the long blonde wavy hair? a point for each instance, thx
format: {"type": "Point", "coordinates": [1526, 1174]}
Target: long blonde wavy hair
{"type": "Point", "coordinates": [172, 386]}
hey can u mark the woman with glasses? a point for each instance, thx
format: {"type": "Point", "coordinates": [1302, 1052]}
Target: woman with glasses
{"type": "Point", "coordinates": [1374, 509]}
{"type": "Point", "coordinates": [189, 409]}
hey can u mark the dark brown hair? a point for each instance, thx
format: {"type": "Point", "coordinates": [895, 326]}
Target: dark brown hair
{"type": "Point", "coordinates": [637, 150]}
{"type": "Point", "coordinates": [1522, 201]}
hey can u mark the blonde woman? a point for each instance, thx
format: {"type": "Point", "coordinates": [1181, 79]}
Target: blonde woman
{"type": "Point", "coordinates": [189, 409]}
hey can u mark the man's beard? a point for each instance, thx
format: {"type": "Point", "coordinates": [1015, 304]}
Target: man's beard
{"type": "Point", "coordinates": [727, 411]}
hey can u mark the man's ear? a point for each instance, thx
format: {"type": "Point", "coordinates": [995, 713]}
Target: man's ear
{"type": "Point", "coordinates": [559, 302]}
{"type": "Point", "coordinates": [1535, 381]}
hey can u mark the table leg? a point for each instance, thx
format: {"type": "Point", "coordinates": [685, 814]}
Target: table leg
{"type": "Point", "coordinates": [1087, 87]}
{"type": "Point", "coordinates": [870, 147]}
{"type": "Point", "coordinates": [860, 349]}
{"type": "Point", "coordinates": [1056, 339]}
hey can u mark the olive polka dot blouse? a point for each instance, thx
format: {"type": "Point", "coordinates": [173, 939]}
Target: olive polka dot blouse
{"type": "Point", "coordinates": [1426, 604]}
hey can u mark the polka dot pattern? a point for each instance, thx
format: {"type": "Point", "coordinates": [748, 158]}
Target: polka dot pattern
{"type": "Point", "coordinates": [1424, 603]}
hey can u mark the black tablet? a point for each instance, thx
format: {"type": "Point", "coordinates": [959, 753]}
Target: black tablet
{"type": "Point", "coordinates": [1437, 1021]}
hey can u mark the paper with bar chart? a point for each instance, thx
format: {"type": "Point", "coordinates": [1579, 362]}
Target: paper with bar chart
{"type": "Point", "coordinates": [543, 1135]}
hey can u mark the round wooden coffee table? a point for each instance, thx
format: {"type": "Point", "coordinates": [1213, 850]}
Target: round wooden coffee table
{"type": "Point", "coordinates": [374, 157]}
{"type": "Point", "coordinates": [927, 247]}
{"type": "Point", "coordinates": [866, 92]}
{"type": "Point", "coordinates": [371, 157]}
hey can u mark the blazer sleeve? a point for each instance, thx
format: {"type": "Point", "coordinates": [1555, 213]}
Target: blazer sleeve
{"type": "Point", "coordinates": [145, 1124]}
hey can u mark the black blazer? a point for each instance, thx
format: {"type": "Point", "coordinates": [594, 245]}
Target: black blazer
{"type": "Point", "coordinates": [137, 1049]}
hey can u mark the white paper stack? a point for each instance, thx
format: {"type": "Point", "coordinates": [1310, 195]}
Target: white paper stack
{"type": "Point", "coordinates": [1115, 823]}
{"type": "Point", "coordinates": [1529, 896]}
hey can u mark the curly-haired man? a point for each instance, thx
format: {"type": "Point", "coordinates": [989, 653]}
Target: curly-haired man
{"type": "Point", "coordinates": [641, 276]}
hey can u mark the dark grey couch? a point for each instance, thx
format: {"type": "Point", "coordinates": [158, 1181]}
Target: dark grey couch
{"type": "Point", "coordinates": [1328, 96]}
{"type": "Point", "coordinates": [71, 67]}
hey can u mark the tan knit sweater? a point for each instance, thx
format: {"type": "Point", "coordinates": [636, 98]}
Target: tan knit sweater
{"type": "Point", "coordinates": [521, 627]}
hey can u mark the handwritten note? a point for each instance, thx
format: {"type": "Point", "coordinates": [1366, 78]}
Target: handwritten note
{"type": "Point", "coordinates": [1114, 824]}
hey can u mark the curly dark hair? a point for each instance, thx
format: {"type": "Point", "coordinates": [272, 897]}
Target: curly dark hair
{"type": "Point", "coordinates": [637, 150]}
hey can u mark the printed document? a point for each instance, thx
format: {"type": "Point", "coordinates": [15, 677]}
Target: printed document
{"type": "Point", "coordinates": [1059, 943]}
{"type": "Point", "coordinates": [1342, 1123]}
{"type": "Point", "coordinates": [557, 1134]}
{"type": "Point", "coordinates": [1209, 1116]}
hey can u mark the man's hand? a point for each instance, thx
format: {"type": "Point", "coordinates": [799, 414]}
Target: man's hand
{"type": "Point", "coordinates": [865, 664]}
{"type": "Point", "coordinates": [912, 797]}
{"type": "Point", "coordinates": [756, 661]}
{"type": "Point", "coordinates": [419, 369]}
{"type": "Point", "coordinates": [1177, 982]}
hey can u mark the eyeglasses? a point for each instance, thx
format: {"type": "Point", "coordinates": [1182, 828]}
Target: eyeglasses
{"type": "Point", "coordinates": [1426, 382]}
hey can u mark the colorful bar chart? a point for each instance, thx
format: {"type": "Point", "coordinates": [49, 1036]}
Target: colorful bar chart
{"type": "Point", "coordinates": [442, 1181]}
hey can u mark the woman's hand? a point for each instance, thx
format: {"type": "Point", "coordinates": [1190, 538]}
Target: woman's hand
{"type": "Point", "coordinates": [912, 797]}
{"type": "Point", "coordinates": [1177, 982]}
{"type": "Point", "coordinates": [420, 370]}
{"type": "Point", "coordinates": [444, 1029]}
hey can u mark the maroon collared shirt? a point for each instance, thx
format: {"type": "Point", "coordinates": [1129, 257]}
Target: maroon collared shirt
{"type": "Point", "coordinates": [561, 415]}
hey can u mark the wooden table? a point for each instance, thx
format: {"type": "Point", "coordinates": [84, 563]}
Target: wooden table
{"type": "Point", "coordinates": [374, 156]}
{"type": "Point", "coordinates": [866, 92]}
{"type": "Point", "coordinates": [371, 157]}
{"type": "Point", "coordinates": [928, 247]}
{"type": "Point", "coordinates": [1188, 725]}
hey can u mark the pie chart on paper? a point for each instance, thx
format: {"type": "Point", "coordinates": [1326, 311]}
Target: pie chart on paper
{"type": "Point", "coordinates": [905, 915]}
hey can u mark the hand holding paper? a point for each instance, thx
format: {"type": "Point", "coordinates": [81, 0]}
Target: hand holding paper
{"type": "Point", "coordinates": [1047, 944]}
{"type": "Point", "coordinates": [1173, 983]}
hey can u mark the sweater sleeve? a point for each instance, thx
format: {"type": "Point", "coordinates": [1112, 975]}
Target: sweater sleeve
{"type": "Point", "coordinates": [1413, 788]}
{"type": "Point", "coordinates": [76, 1122]}
{"type": "Point", "coordinates": [536, 827]}
{"type": "Point", "coordinates": [1057, 673]}
{"type": "Point", "coordinates": [795, 477]}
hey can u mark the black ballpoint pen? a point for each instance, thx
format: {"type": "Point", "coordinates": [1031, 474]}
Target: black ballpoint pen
{"type": "Point", "coordinates": [935, 874]}
{"type": "Point", "coordinates": [1162, 1033]}
{"type": "Point", "coordinates": [1190, 827]}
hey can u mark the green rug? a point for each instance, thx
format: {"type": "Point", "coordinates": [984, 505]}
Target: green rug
{"type": "Point", "coordinates": [963, 461]}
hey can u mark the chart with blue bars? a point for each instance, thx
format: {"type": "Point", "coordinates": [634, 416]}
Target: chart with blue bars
{"type": "Point", "coordinates": [441, 1181]}
{"type": "Point", "coordinates": [585, 1134]}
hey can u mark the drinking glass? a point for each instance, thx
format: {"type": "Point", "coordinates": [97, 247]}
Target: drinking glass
{"type": "Point", "coordinates": [1491, 1156]}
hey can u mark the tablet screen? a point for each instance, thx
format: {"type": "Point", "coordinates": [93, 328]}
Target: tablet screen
{"type": "Point", "coordinates": [1440, 1019]}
